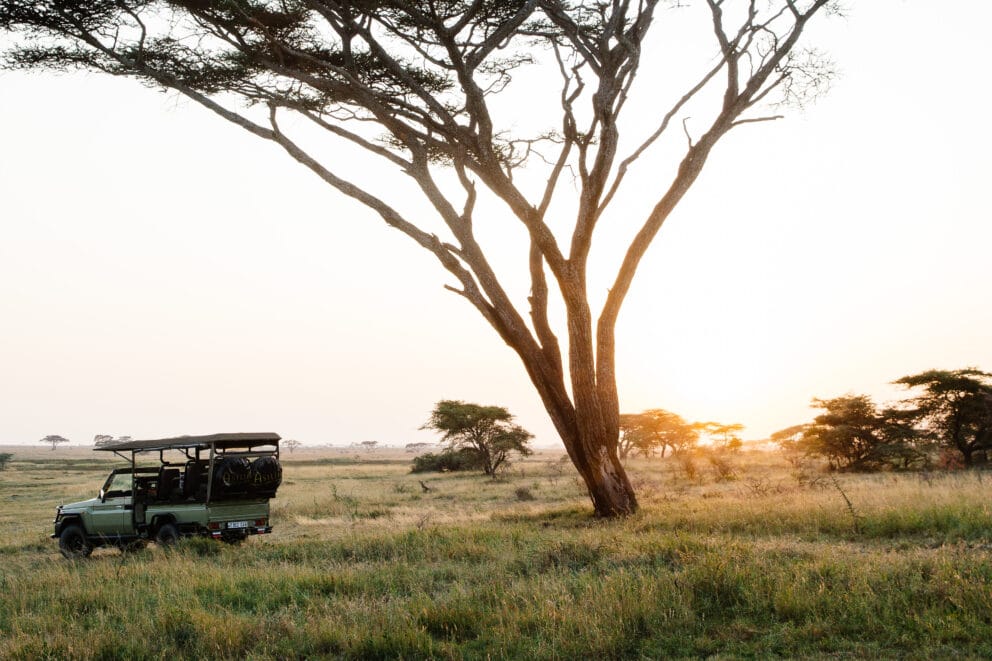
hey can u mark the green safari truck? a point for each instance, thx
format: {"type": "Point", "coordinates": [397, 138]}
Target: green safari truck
{"type": "Point", "coordinates": [215, 486]}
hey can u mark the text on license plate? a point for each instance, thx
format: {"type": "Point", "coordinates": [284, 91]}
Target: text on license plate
{"type": "Point", "coordinates": [237, 524]}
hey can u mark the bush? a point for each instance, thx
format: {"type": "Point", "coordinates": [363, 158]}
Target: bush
{"type": "Point", "coordinates": [523, 493]}
{"type": "Point", "coordinates": [689, 467]}
{"type": "Point", "coordinates": [723, 469]}
{"type": "Point", "coordinates": [5, 458]}
{"type": "Point", "coordinates": [466, 459]}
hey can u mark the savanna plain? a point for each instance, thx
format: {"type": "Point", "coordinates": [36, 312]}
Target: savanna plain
{"type": "Point", "coordinates": [739, 555]}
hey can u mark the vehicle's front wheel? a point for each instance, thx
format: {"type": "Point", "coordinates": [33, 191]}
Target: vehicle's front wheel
{"type": "Point", "coordinates": [167, 535]}
{"type": "Point", "coordinates": [73, 543]}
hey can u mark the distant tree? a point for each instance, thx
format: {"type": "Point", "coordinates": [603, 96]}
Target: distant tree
{"type": "Point", "coordinates": [853, 434]}
{"type": "Point", "coordinates": [5, 458]}
{"type": "Point", "coordinates": [724, 436]}
{"type": "Point", "coordinates": [103, 440]}
{"type": "Point", "coordinates": [956, 408]}
{"type": "Point", "coordinates": [54, 440]}
{"type": "Point", "coordinates": [488, 431]}
{"type": "Point", "coordinates": [418, 447]}
{"type": "Point", "coordinates": [632, 437]}
{"type": "Point", "coordinates": [656, 429]}
{"type": "Point", "coordinates": [291, 444]}
{"type": "Point", "coordinates": [369, 445]}
{"type": "Point", "coordinates": [788, 438]}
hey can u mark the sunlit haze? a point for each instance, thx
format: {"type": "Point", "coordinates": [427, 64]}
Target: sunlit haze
{"type": "Point", "coordinates": [162, 272]}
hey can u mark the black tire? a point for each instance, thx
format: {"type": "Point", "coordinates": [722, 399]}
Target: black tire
{"type": "Point", "coordinates": [73, 543]}
{"type": "Point", "coordinates": [266, 476]}
{"type": "Point", "coordinates": [233, 538]}
{"type": "Point", "coordinates": [167, 535]}
{"type": "Point", "coordinates": [232, 476]}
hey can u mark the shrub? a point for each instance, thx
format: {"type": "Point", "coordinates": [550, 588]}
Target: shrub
{"type": "Point", "coordinates": [5, 458]}
{"type": "Point", "coordinates": [723, 469]}
{"type": "Point", "coordinates": [465, 459]}
{"type": "Point", "coordinates": [523, 493]}
{"type": "Point", "coordinates": [689, 468]}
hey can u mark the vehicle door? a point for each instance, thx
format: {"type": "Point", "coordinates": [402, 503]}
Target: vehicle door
{"type": "Point", "coordinates": [112, 515]}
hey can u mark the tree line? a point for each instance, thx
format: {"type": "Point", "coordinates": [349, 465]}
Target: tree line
{"type": "Point", "coordinates": [664, 432]}
{"type": "Point", "coordinates": [947, 418]}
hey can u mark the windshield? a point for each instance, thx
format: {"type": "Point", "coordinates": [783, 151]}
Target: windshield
{"type": "Point", "coordinates": [118, 484]}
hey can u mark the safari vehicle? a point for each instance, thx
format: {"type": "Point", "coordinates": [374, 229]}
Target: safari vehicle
{"type": "Point", "coordinates": [219, 486]}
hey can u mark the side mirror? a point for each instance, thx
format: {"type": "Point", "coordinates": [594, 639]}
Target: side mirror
{"type": "Point", "coordinates": [103, 496]}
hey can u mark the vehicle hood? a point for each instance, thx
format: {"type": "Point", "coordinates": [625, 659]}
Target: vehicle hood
{"type": "Point", "coordinates": [81, 505]}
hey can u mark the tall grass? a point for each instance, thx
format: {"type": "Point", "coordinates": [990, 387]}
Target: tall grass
{"type": "Point", "coordinates": [708, 568]}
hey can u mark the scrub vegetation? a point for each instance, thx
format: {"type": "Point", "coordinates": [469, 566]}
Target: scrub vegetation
{"type": "Point", "coordinates": [767, 559]}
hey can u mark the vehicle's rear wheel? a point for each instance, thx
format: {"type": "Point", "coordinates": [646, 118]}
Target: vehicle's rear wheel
{"type": "Point", "coordinates": [167, 535]}
{"type": "Point", "coordinates": [233, 538]}
{"type": "Point", "coordinates": [73, 543]}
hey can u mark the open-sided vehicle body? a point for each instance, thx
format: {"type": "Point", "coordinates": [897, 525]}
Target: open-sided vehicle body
{"type": "Point", "coordinates": [217, 486]}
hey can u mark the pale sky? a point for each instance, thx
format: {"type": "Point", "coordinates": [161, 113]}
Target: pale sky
{"type": "Point", "coordinates": [162, 272]}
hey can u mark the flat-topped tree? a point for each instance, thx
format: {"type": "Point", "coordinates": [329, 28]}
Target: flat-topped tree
{"type": "Point", "coordinates": [956, 407]}
{"type": "Point", "coordinates": [411, 82]}
{"type": "Point", "coordinates": [55, 440]}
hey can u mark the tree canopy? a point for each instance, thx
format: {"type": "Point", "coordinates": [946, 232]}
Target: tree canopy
{"type": "Point", "coordinates": [656, 429]}
{"type": "Point", "coordinates": [411, 82]}
{"type": "Point", "coordinates": [55, 440]}
{"type": "Point", "coordinates": [956, 407]}
{"type": "Point", "coordinates": [103, 440]}
{"type": "Point", "coordinates": [852, 433]}
{"type": "Point", "coordinates": [485, 432]}
{"type": "Point", "coordinates": [726, 435]}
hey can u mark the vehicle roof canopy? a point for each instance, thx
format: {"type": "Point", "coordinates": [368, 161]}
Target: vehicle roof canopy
{"type": "Point", "coordinates": [225, 441]}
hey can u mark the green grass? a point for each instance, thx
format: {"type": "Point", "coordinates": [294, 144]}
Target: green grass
{"type": "Point", "coordinates": [365, 564]}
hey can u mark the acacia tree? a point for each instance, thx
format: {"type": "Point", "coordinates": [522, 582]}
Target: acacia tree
{"type": "Point", "coordinates": [853, 434]}
{"type": "Point", "coordinates": [104, 440]}
{"type": "Point", "coordinates": [632, 437]}
{"type": "Point", "coordinates": [957, 408]}
{"type": "Point", "coordinates": [725, 435]}
{"type": "Point", "coordinates": [412, 82]}
{"type": "Point", "coordinates": [486, 432]}
{"type": "Point", "coordinates": [655, 428]}
{"type": "Point", "coordinates": [55, 440]}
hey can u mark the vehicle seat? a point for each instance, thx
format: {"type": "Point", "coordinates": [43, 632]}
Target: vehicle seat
{"type": "Point", "coordinates": [194, 483]}
{"type": "Point", "coordinates": [168, 483]}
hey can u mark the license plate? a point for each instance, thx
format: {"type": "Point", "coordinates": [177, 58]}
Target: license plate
{"type": "Point", "coordinates": [237, 524]}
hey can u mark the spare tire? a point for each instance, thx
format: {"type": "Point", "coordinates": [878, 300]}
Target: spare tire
{"type": "Point", "coordinates": [233, 475]}
{"type": "Point", "coordinates": [266, 475]}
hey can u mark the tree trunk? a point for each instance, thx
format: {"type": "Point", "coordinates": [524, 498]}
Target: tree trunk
{"type": "Point", "coordinates": [611, 492]}
{"type": "Point", "coordinates": [588, 418]}
{"type": "Point", "coordinates": [592, 449]}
